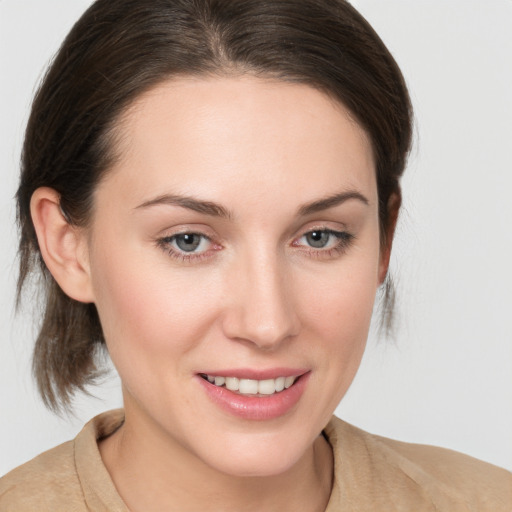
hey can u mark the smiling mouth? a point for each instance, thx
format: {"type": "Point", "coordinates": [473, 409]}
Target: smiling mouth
{"type": "Point", "coordinates": [251, 387]}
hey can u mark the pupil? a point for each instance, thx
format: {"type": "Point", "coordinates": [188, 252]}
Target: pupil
{"type": "Point", "coordinates": [188, 242]}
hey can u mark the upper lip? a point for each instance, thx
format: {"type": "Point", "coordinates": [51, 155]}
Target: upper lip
{"type": "Point", "coordinates": [257, 374]}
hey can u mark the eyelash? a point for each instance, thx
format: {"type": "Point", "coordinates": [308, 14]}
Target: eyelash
{"type": "Point", "coordinates": [165, 244]}
{"type": "Point", "coordinates": [344, 240]}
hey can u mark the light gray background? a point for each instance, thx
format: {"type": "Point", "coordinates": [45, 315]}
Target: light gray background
{"type": "Point", "coordinates": [447, 380]}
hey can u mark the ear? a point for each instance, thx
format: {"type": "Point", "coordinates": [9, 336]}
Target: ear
{"type": "Point", "coordinates": [394, 203]}
{"type": "Point", "coordinates": [62, 245]}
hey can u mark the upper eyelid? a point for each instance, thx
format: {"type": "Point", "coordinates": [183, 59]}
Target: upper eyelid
{"type": "Point", "coordinates": [179, 233]}
{"type": "Point", "coordinates": [321, 228]}
{"type": "Point", "coordinates": [166, 233]}
{"type": "Point", "coordinates": [322, 225]}
{"type": "Point", "coordinates": [185, 230]}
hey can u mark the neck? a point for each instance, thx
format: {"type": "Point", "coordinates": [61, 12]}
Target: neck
{"type": "Point", "coordinates": [173, 479]}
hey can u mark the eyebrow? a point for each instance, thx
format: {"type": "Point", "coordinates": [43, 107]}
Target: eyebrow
{"type": "Point", "coordinates": [197, 205]}
{"type": "Point", "coordinates": [331, 202]}
{"type": "Point", "coordinates": [217, 210]}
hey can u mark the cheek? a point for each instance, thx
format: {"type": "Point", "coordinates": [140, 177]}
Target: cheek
{"type": "Point", "coordinates": [342, 326]}
{"type": "Point", "coordinates": [341, 305]}
{"type": "Point", "coordinates": [338, 313]}
{"type": "Point", "coordinates": [147, 310]}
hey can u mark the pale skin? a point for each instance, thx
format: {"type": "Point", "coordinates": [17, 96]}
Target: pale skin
{"type": "Point", "coordinates": [258, 290]}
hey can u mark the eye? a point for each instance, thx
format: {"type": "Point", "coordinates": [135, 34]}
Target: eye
{"type": "Point", "coordinates": [324, 242]}
{"type": "Point", "coordinates": [318, 239]}
{"type": "Point", "coordinates": [186, 246]}
{"type": "Point", "coordinates": [189, 242]}
{"type": "Point", "coordinates": [324, 238]}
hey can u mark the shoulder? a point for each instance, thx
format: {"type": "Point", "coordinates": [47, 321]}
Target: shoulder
{"type": "Point", "coordinates": [47, 482]}
{"type": "Point", "coordinates": [444, 479]}
{"type": "Point", "coordinates": [70, 477]}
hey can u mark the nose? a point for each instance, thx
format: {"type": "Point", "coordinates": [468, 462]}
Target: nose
{"type": "Point", "coordinates": [260, 303]}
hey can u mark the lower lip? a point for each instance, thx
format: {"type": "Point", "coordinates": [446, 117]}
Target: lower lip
{"type": "Point", "coordinates": [253, 407]}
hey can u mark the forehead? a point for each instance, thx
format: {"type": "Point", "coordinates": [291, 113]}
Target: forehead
{"type": "Point", "coordinates": [194, 135]}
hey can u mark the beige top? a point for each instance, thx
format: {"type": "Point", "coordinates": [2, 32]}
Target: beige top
{"type": "Point", "coordinates": [371, 473]}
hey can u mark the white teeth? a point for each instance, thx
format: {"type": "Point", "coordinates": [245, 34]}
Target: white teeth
{"type": "Point", "coordinates": [287, 382]}
{"type": "Point", "coordinates": [267, 387]}
{"type": "Point", "coordinates": [232, 383]}
{"type": "Point", "coordinates": [248, 387]}
{"type": "Point", "coordinates": [280, 384]}
{"type": "Point", "coordinates": [251, 386]}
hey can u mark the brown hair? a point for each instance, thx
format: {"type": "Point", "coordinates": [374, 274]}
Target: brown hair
{"type": "Point", "coordinates": [120, 48]}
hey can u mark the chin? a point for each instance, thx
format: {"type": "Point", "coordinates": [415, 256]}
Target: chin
{"type": "Point", "coordinates": [256, 455]}
{"type": "Point", "coordinates": [255, 467]}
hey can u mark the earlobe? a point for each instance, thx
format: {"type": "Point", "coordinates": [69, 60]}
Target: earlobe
{"type": "Point", "coordinates": [394, 203]}
{"type": "Point", "coordinates": [62, 245]}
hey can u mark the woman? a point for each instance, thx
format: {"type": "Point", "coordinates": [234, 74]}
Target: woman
{"type": "Point", "coordinates": [210, 190]}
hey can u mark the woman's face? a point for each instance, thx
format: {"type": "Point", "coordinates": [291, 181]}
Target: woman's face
{"type": "Point", "coordinates": [236, 238]}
